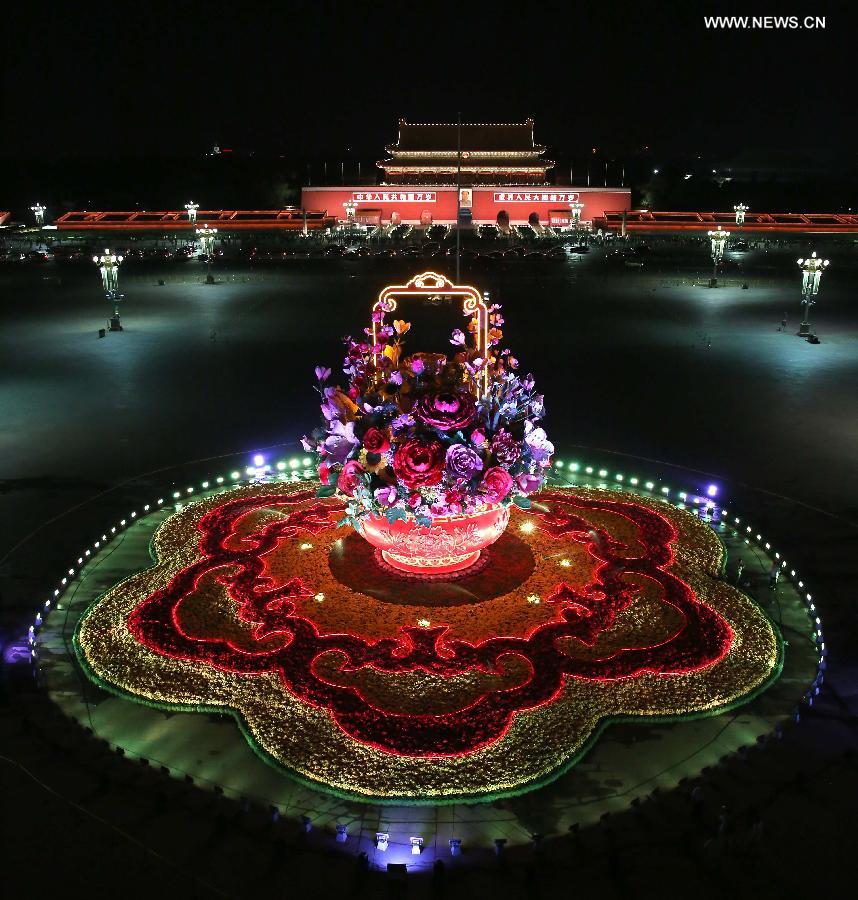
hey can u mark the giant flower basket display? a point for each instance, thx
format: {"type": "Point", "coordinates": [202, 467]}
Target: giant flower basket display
{"type": "Point", "coordinates": [431, 451]}
{"type": "Point", "coordinates": [548, 612]}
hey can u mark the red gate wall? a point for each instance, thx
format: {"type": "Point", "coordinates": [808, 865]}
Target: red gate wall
{"type": "Point", "coordinates": [487, 201]}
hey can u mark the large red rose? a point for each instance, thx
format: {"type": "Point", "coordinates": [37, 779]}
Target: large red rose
{"type": "Point", "coordinates": [376, 441]}
{"type": "Point", "coordinates": [447, 411]}
{"type": "Point", "coordinates": [496, 484]}
{"type": "Point", "coordinates": [419, 463]}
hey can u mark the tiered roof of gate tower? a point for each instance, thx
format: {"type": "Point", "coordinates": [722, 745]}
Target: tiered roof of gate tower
{"type": "Point", "coordinates": [431, 153]}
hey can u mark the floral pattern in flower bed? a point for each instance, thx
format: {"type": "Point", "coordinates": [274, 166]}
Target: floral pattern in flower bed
{"type": "Point", "coordinates": [593, 605]}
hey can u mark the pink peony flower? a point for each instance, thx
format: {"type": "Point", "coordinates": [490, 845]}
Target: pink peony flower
{"type": "Point", "coordinates": [350, 479]}
{"type": "Point", "coordinates": [447, 411]}
{"type": "Point", "coordinates": [496, 484]}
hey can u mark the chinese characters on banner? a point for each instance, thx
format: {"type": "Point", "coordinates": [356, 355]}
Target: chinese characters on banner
{"type": "Point", "coordinates": [465, 197]}
{"type": "Point", "coordinates": [393, 196]}
{"type": "Point", "coordinates": [548, 197]}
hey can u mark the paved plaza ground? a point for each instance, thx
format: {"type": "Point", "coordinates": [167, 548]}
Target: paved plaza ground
{"type": "Point", "coordinates": [646, 371]}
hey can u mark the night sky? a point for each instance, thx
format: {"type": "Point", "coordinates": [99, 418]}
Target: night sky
{"type": "Point", "coordinates": [332, 78]}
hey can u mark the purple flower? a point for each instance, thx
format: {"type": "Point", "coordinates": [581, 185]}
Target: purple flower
{"type": "Point", "coordinates": [418, 367]}
{"type": "Point", "coordinates": [505, 448]}
{"type": "Point", "coordinates": [386, 496]}
{"type": "Point", "coordinates": [509, 409]}
{"type": "Point", "coordinates": [528, 483]}
{"type": "Point", "coordinates": [537, 406]}
{"type": "Point", "coordinates": [322, 373]}
{"type": "Point", "coordinates": [341, 441]}
{"type": "Point", "coordinates": [395, 378]}
{"type": "Point", "coordinates": [458, 338]}
{"type": "Point", "coordinates": [538, 444]}
{"type": "Point", "coordinates": [463, 462]}
{"type": "Point", "coordinates": [478, 437]}
{"type": "Point", "coordinates": [403, 422]}
{"type": "Point", "coordinates": [475, 366]}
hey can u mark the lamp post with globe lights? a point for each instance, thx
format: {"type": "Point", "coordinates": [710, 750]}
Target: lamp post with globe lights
{"type": "Point", "coordinates": [718, 237]}
{"type": "Point", "coordinates": [39, 212]}
{"type": "Point", "coordinates": [348, 225]}
{"type": "Point", "coordinates": [811, 275]}
{"type": "Point", "coordinates": [192, 211]}
{"type": "Point", "coordinates": [740, 209]}
{"type": "Point", "coordinates": [206, 238]}
{"type": "Point", "coordinates": [575, 208]}
{"type": "Point", "coordinates": [108, 264]}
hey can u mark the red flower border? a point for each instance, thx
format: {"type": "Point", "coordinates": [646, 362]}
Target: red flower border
{"type": "Point", "coordinates": [704, 638]}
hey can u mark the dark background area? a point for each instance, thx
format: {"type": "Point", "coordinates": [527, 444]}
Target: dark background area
{"type": "Point", "coordinates": [118, 105]}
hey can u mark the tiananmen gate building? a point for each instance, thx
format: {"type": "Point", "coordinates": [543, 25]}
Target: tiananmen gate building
{"type": "Point", "coordinates": [499, 170]}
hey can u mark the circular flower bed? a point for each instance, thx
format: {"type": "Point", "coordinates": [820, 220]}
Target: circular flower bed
{"type": "Point", "coordinates": [593, 606]}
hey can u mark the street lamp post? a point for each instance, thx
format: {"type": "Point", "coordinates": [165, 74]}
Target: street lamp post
{"type": "Point", "coordinates": [811, 274]}
{"type": "Point", "coordinates": [740, 209]}
{"type": "Point", "coordinates": [719, 242]}
{"type": "Point", "coordinates": [39, 212]}
{"type": "Point", "coordinates": [206, 238]}
{"type": "Point", "coordinates": [349, 206]}
{"type": "Point", "coordinates": [108, 264]}
{"type": "Point", "coordinates": [192, 211]}
{"type": "Point", "coordinates": [575, 207]}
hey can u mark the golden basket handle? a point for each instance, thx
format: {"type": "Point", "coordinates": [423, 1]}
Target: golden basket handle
{"type": "Point", "coordinates": [430, 284]}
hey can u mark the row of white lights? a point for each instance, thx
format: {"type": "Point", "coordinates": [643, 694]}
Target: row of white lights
{"type": "Point", "coordinates": [295, 469]}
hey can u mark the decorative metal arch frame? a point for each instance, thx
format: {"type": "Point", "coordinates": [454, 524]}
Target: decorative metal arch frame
{"type": "Point", "coordinates": [431, 284]}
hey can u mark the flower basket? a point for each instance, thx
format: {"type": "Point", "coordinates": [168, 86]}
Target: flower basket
{"type": "Point", "coordinates": [450, 544]}
{"type": "Point", "coordinates": [429, 450]}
